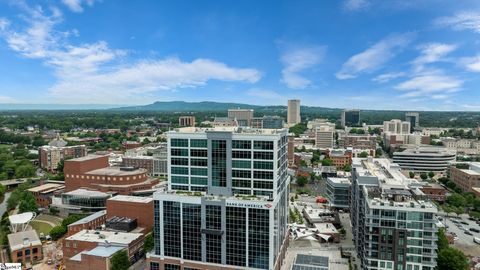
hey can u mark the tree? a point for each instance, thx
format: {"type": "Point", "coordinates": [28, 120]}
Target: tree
{"type": "Point", "coordinates": [456, 200]}
{"type": "Point", "coordinates": [57, 232]}
{"type": "Point", "coordinates": [301, 180]}
{"type": "Point", "coordinates": [450, 258]}
{"type": "Point", "coordinates": [327, 162]}
{"type": "Point", "coordinates": [120, 261]}
{"type": "Point", "coordinates": [431, 174]}
{"type": "Point", "coordinates": [24, 171]}
{"type": "Point", "coordinates": [347, 167]}
{"type": "Point", "coordinates": [298, 129]}
{"type": "Point", "coordinates": [423, 176]}
{"type": "Point", "coordinates": [411, 174]}
{"type": "Point", "coordinates": [28, 203]}
{"type": "Point", "coordinates": [363, 154]}
{"type": "Point", "coordinates": [442, 239]}
{"type": "Point", "coordinates": [149, 243]}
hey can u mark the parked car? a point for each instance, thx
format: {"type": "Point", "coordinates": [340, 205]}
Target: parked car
{"type": "Point", "coordinates": [464, 223]}
{"type": "Point", "coordinates": [468, 232]}
{"type": "Point", "coordinates": [475, 230]}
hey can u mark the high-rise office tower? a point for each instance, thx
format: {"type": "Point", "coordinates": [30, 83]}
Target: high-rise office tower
{"type": "Point", "coordinates": [350, 118]}
{"type": "Point", "coordinates": [227, 201]}
{"type": "Point", "coordinates": [396, 126]}
{"type": "Point", "coordinates": [414, 119]}
{"type": "Point", "coordinates": [243, 116]}
{"type": "Point", "coordinates": [293, 112]}
{"type": "Point", "coordinates": [393, 222]}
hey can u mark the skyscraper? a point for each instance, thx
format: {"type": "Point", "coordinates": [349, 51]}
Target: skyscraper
{"type": "Point", "coordinates": [350, 118]}
{"type": "Point", "coordinates": [414, 119]}
{"type": "Point", "coordinates": [293, 112]}
{"type": "Point", "coordinates": [227, 201]}
{"type": "Point", "coordinates": [393, 224]}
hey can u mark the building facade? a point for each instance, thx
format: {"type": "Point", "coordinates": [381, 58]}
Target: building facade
{"type": "Point", "coordinates": [396, 126]}
{"type": "Point", "coordinates": [186, 121]}
{"type": "Point", "coordinates": [414, 119]}
{"type": "Point", "coordinates": [392, 228]}
{"type": "Point", "coordinates": [243, 116]}
{"type": "Point", "coordinates": [467, 179]}
{"type": "Point", "coordinates": [350, 118]}
{"type": "Point", "coordinates": [49, 156]}
{"type": "Point", "coordinates": [424, 159]}
{"type": "Point", "coordinates": [227, 201]}
{"type": "Point", "coordinates": [293, 112]}
{"type": "Point", "coordinates": [324, 136]}
{"type": "Point", "coordinates": [357, 141]}
{"type": "Point", "coordinates": [338, 192]}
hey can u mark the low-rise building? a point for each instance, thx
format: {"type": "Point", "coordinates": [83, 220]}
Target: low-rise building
{"type": "Point", "coordinates": [434, 192]}
{"type": "Point", "coordinates": [50, 155]}
{"type": "Point", "coordinates": [43, 194]}
{"type": "Point", "coordinates": [338, 192]}
{"type": "Point", "coordinates": [358, 141]}
{"type": "Point", "coordinates": [80, 201]}
{"type": "Point", "coordinates": [425, 159]}
{"type": "Point", "coordinates": [340, 158]}
{"type": "Point", "coordinates": [466, 179]}
{"type": "Point", "coordinates": [131, 144]}
{"type": "Point", "coordinates": [91, 222]}
{"type": "Point", "coordinates": [25, 247]}
{"type": "Point", "coordinates": [186, 121]}
{"type": "Point", "coordinates": [139, 208]}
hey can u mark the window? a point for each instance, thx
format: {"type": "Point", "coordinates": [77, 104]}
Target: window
{"type": "Point", "coordinates": [200, 162]}
{"type": "Point", "coordinates": [19, 253]}
{"type": "Point", "coordinates": [179, 143]}
{"type": "Point", "coordinates": [179, 179]}
{"type": "Point", "coordinates": [242, 164]}
{"type": "Point", "coordinates": [179, 152]}
{"type": "Point", "coordinates": [198, 143]}
{"type": "Point", "coordinates": [177, 187]}
{"type": "Point", "coordinates": [198, 153]}
{"type": "Point", "coordinates": [199, 171]}
{"type": "Point", "coordinates": [179, 161]}
{"type": "Point", "coordinates": [263, 184]}
{"type": "Point", "coordinates": [219, 163]}
{"type": "Point", "coordinates": [265, 165]}
{"type": "Point", "coordinates": [172, 267]}
{"type": "Point", "coordinates": [154, 266]}
{"type": "Point", "coordinates": [242, 154]}
{"type": "Point", "coordinates": [241, 144]}
{"type": "Point", "coordinates": [263, 155]}
{"type": "Point", "coordinates": [198, 181]}
{"type": "Point", "coordinates": [179, 170]}
{"type": "Point", "coordinates": [262, 175]}
{"type": "Point", "coordinates": [263, 145]}
{"type": "Point", "coordinates": [241, 174]}
{"type": "Point", "coordinates": [241, 183]}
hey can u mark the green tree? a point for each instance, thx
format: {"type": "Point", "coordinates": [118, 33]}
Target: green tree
{"type": "Point", "coordinates": [302, 180]}
{"type": "Point", "coordinates": [120, 261]}
{"type": "Point", "coordinates": [298, 129]}
{"type": "Point", "coordinates": [411, 174]}
{"type": "Point", "coordinates": [456, 200]}
{"type": "Point", "coordinates": [442, 239]}
{"type": "Point", "coordinates": [450, 258]}
{"type": "Point", "coordinates": [27, 203]}
{"type": "Point", "coordinates": [327, 162]}
{"type": "Point", "coordinates": [431, 174]}
{"type": "Point", "coordinates": [347, 167]}
{"type": "Point", "coordinates": [57, 232]}
{"type": "Point", "coordinates": [363, 154]}
{"type": "Point", "coordinates": [423, 176]}
{"type": "Point", "coordinates": [149, 243]}
{"type": "Point", "coordinates": [25, 171]}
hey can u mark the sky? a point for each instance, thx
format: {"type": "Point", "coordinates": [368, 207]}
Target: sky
{"type": "Point", "coordinates": [366, 54]}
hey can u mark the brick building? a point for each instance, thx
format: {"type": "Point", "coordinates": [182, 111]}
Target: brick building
{"type": "Point", "coordinates": [186, 121]}
{"type": "Point", "coordinates": [364, 142]}
{"type": "Point", "coordinates": [43, 194]}
{"type": "Point", "coordinates": [434, 191]}
{"type": "Point", "coordinates": [94, 172]}
{"type": "Point", "coordinates": [466, 179]}
{"type": "Point", "coordinates": [139, 208]}
{"type": "Point", "coordinates": [49, 156]}
{"type": "Point", "coordinates": [25, 247]}
{"type": "Point", "coordinates": [131, 144]}
{"type": "Point", "coordinates": [90, 222]}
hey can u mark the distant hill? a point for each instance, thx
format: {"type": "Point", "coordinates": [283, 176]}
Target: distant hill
{"type": "Point", "coordinates": [203, 106]}
{"type": "Point", "coordinates": [54, 107]}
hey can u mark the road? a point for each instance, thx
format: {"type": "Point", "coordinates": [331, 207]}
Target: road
{"type": "Point", "coordinates": [465, 242]}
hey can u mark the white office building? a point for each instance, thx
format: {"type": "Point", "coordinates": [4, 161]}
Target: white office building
{"type": "Point", "coordinates": [227, 201]}
{"type": "Point", "coordinates": [293, 112]}
{"type": "Point", "coordinates": [425, 159]}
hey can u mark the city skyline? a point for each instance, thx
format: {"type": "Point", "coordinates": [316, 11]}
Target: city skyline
{"type": "Point", "coordinates": [348, 54]}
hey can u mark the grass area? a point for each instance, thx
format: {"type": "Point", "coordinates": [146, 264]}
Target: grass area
{"type": "Point", "coordinates": [41, 227]}
{"type": "Point", "coordinates": [5, 146]}
{"type": "Point", "coordinates": [50, 218]}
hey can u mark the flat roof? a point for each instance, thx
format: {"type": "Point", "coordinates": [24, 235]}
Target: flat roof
{"type": "Point", "coordinates": [86, 192]}
{"type": "Point", "coordinates": [120, 238]}
{"type": "Point", "coordinates": [45, 187]}
{"type": "Point", "coordinates": [339, 180]}
{"type": "Point", "coordinates": [137, 199]}
{"type": "Point", "coordinates": [103, 251]}
{"type": "Point", "coordinates": [89, 218]}
{"type": "Point", "coordinates": [87, 157]}
{"type": "Point", "coordinates": [236, 130]}
{"type": "Point", "coordinates": [21, 218]}
{"type": "Point", "coordinates": [20, 240]}
{"type": "Point", "coordinates": [325, 228]}
{"type": "Point", "coordinates": [115, 171]}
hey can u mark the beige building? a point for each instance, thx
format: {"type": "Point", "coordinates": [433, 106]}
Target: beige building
{"type": "Point", "coordinates": [186, 121]}
{"type": "Point", "coordinates": [466, 179]}
{"type": "Point", "coordinates": [293, 112]}
{"type": "Point", "coordinates": [324, 136]}
{"type": "Point", "coordinates": [396, 126]}
{"type": "Point", "coordinates": [243, 116]}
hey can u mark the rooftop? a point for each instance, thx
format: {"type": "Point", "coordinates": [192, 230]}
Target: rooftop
{"type": "Point", "coordinates": [237, 130]}
{"type": "Point", "coordinates": [116, 171]}
{"type": "Point", "coordinates": [46, 187]}
{"type": "Point", "coordinates": [86, 192]}
{"type": "Point", "coordinates": [87, 157]}
{"type": "Point", "coordinates": [20, 240]}
{"type": "Point", "coordinates": [119, 238]}
{"type": "Point", "coordinates": [103, 251]}
{"type": "Point", "coordinates": [136, 199]}
{"type": "Point", "coordinates": [387, 173]}
{"type": "Point", "coordinates": [325, 228]}
{"type": "Point", "coordinates": [339, 180]}
{"type": "Point", "coordinates": [89, 218]}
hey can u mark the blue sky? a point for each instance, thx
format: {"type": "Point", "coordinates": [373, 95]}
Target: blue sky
{"type": "Point", "coordinates": [411, 55]}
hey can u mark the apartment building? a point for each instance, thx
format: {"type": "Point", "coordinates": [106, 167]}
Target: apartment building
{"type": "Point", "coordinates": [186, 121]}
{"type": "Point", "coordinates": [50, 155]}
{"type": "Point", "coordinates": [227, 201]}
{"type": "Point", "coordinates": [394, 226]}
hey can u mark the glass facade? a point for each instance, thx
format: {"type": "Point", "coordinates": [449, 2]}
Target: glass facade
{"type": "Point", "coordinates": [192, 237]}
{"type": "Point", "coordinates": [219, 163]}
{"type": "Point", "coordinates": [171, 229]}
{"type": "Point", "coordinates": [85, 200]}
{"type": "Point", "coordinates": [236, 236]}
{"type": "Point", "coordinates": [214, 233]}
{"type": "Point", "coordinates": [258, 238]}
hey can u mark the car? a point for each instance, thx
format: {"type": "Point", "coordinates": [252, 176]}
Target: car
{"type": "Point", "coordinates": [468, 232]}
{"type": "Point", "coordinates": [474, 230]}
{"type": "Point", "coordinates": [440, 218]}
{"type": "Point", "coordinates": [472, 219]}
{"type": "Point", "coordinates": [464, 223]}
{"type": "Point", "coordinates": [454, 221]}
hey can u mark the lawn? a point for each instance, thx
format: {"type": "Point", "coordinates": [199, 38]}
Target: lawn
{"type": "Point", "coordinates": [41, 227]}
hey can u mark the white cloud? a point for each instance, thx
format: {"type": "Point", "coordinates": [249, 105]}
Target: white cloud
{"type": "Point", "coordinates": [461, 21]}
{"type": "Point", "coordinates": [298, 60]}
{"type": "Point", "coordinates": [4, 23]}
{"type": "Point", "coordinates": [384, 78]}
{"type": "Point", "coordinates": [471, 63]}
{"type": "Point", "coordinates": [431, 53]}
{"type": "Point", "coordinates": [430, 85]}
{"type": "Point", "coordinates": [76, 5]}
{"type": "Point", "coordinates": [95, 73]}
{"type": "Point", "coordinates": [374, 57]}
{"type": "Point", "coordinates": [355, 5]}
{"type": "Point", "coordinates": [6, 99]}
